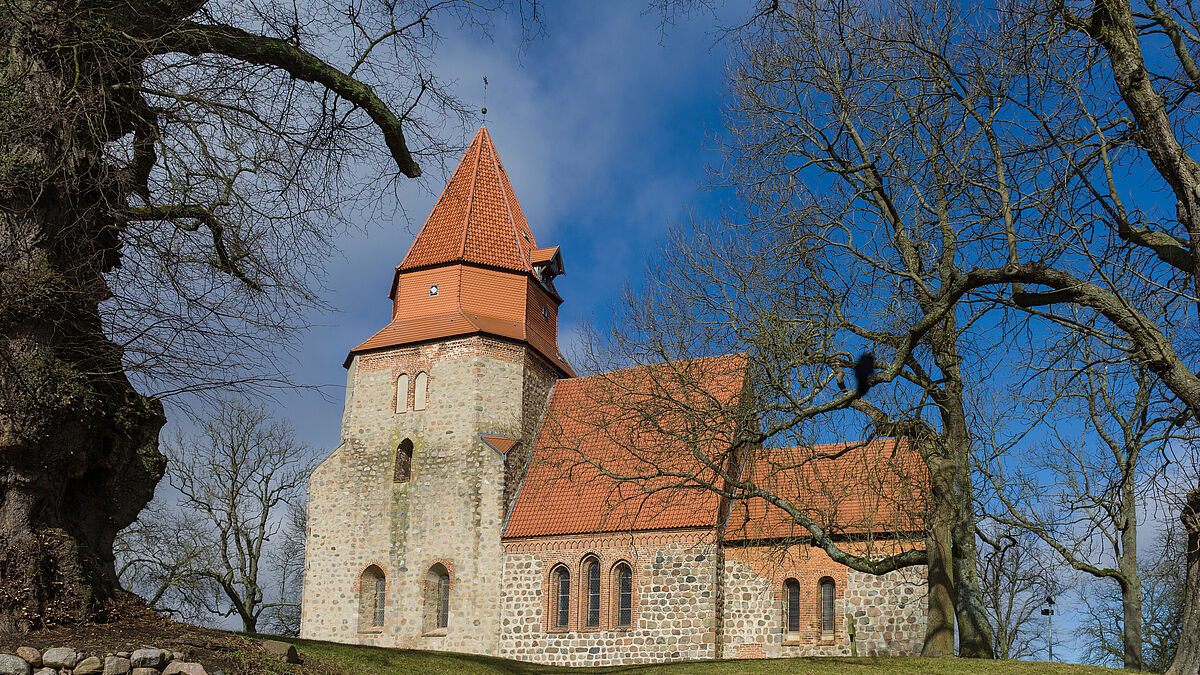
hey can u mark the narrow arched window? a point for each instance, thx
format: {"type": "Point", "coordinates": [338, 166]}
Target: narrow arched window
{"type": "Point", "coordinates": [402, 393]}
{"type": "Point", "coordinates": [372, 587]}
{"type": "Point", "coordinates": [420, 391]}
{"type": "Point", "coordinates": [791, 606]}
{"type": "Point", "coordinates": [623, 595]}
{"type": "Point", "coordinates": [827, 593]}
{"type": "Point", "coordinates": [404, 456]}
{"type": "Point", "coordinates": [437, 598]}
{"type": "Point", "coordinates": [561, 580]}
{"type": "Point", "coordinates": [591, 570]}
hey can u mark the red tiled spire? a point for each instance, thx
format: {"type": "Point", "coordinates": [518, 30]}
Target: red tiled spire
{"type": "Point", "coordinates": [477, 219]}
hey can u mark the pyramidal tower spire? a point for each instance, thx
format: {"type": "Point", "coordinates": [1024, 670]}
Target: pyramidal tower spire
{"type": "Point", "coordinates": [475, 267]}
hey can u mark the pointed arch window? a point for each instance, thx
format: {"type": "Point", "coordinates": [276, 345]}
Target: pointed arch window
{"type": "Point", "coordinates": [827, 595]}
{"type": "Point", "coordinates": [402, 393]}
{"type": "Point", "coordinates": [372, 595]}
{"type": "Point", "coordinates": [591, 571]}
{"type": "Point", "coordinates": [404, 457]}
{"type": "Point", "coordinates": [791, 606]}
{"type": "Point", "coordinates": [437, 598]}
{"type": "Point", "coordinates": [420, 390]}
{"type": "Point", "coordinates": [623, 595]}
{"type": "Point", "coordinates": [560, 579]}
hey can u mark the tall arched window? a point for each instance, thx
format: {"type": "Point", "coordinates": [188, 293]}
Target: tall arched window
{"type": "Point", "coordinates": [437, 598]}
{"type": "Point", "coordinates": [591, 571]}
{"type": "Point", "coordinates": [827, 593]}
{"type": "Point", "coordinates": [791, 606]}
{"type": "Point", "coordinates": [404, 455]}
{"type": "Point", "coordinates": [420, 391]}
{"type": "Point", "coordinates": [402, 393]}
{"type": "Point", "coordinates": [623, 595]}
{"type": "Point", "coordinates": [372, 586]}
{"type": "Point", "coordinates": [560, 578]}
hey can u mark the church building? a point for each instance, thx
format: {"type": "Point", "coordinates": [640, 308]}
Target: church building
{"type": "Point", "coordinates": [456, 514]}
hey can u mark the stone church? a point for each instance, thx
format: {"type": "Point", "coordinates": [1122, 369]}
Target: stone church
{"type": "Point", "coordinates": [445, 519]}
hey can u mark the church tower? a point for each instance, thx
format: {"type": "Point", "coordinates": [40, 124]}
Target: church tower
{"type": "Point", "coordinates": [441, 407]}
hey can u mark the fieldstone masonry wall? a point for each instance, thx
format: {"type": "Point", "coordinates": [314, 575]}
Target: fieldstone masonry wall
{"type": "Point", "coordinates": [450, 512]}
{"type": "Point", "coordinates": [674, 608]}
{"type": "Point", "coordinates": [888, 610]}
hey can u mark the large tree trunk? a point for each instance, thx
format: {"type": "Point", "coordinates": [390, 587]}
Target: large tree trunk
{"type": "Point", "coordinates": [78, 446]}
{"type": "Point", "coordinates": [1187, 655]}
{"type": "Point", "coordinates": [939, 626]}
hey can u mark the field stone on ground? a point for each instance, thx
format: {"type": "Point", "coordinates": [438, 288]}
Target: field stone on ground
{"type": "Point", "coordinates": [11, 664]}
{"type": "Point", "coordinates": [89, 666]}
{"type": "Point", "coordinates": [33, 656]}
{"type": "Point", "coordinates": [60, 657]}
{"type": "Point", "coordinates": [144, 671]}
{"type": "Point", "coordinates": [117, 665]}
{"type": "Point", "coordinates": [146, 658]}
{"type": "Point", "coordinates": [45, 671]}
{"type": "Point", "coordinates": [284, 650]}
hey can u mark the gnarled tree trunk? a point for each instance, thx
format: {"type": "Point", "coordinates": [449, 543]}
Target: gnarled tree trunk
{"type": "Point", "coordinates": [78, 446]}
{"type": "Point", "coordinates": [1187, 655]}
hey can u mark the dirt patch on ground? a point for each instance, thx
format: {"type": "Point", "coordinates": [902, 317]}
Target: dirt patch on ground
{"type": "Point", "coordinates": [140, 627]}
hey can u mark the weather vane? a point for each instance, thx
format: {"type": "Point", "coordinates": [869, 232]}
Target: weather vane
{"type": "Point", "coordinates": [485, 98]}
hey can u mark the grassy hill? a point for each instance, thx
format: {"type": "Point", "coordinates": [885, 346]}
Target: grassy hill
{"type": "Point", "coordinates": [333, 657]}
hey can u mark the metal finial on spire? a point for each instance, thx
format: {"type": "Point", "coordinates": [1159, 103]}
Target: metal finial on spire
{"type": "Point", "coordinates": [485, 98]}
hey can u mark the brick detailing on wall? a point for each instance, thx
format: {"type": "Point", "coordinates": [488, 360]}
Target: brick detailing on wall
{"type": "Point", "coordinates": [673, 606]}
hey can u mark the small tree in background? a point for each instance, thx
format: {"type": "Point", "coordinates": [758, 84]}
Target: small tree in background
{"type": "Point", "coordinates": [239, 520]}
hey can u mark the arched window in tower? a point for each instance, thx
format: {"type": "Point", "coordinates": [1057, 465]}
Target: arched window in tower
{"type": "Point", "coordinates": [622, 590]}
{"type": "Point", "coordinates": [827, 594]}
{"type": "Point", "coordinates": [791, 606]}
{"type": "Point", "coordinates": [372, 586]}
{"type": "Point", "coordinates": [560, 579]}
{"type": "Point", "coordinates": [420, 391]}
{"type": "Point", "coordinates": [404, 458]}
{"type": "Point", "coordinates": [591, 572]}
{"type": "Point", "coordinates": [402, 393]}
{"type": "Point", "coordinates": [437, 598]}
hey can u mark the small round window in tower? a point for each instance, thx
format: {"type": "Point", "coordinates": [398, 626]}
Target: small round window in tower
{"type": "Point", "coordinates": [433, 290]}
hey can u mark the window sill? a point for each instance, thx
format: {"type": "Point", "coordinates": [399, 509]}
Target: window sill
{"type": "Point", "coordinates": [440, 632]}
{"type": "Point", "coordinates": [827, 638]}
{"type": "Point", "coordinates": [371, 631]}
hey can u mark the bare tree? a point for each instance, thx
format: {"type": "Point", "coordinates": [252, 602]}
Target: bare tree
{"type": "Point", "coordinates": [1015, 581]}
{"type": "Point", "coordinates": [232, 542]}
{"type": "Point", "coordinates": [1162, 582]}
{"type": "Point", "coordinates": [172, 176]}
{"type": "Point", "coordinates": [1077, 102]}
{"type": "Point", "coordinates": [240, 476]}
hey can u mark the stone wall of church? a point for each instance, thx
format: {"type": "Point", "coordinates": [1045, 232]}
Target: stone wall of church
{"type": "Point", "coordinates": [888, 610]}
{"type": "Point", "coordinates": [674, 607]}
{"type": "Point", "coordinates": [449, 512]}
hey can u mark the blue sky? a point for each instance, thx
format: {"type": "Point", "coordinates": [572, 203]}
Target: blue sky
{"type": "Point", "coordinates": [604, 125]}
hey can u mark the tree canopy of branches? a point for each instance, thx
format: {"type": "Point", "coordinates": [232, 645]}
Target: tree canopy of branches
{"type": "Point", "coordinates": [171, 179]}
{"type": "Point", "coordinates": [930, 181]}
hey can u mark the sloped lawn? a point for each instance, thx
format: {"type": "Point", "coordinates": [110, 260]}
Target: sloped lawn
{"type": "Point", "coordinates": [333, 657]}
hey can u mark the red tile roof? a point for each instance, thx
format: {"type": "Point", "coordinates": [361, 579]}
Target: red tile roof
{"type": "Point", "coordinates": [616, 452]}
{"type": "Point", "coordinates": [477, 219]}
{"type": "Point", "coordinates": [847, 488]}
{"type": "Point", "coordinates": [502, 444]}
{"type": "Point", "coordinates": [616, 424]}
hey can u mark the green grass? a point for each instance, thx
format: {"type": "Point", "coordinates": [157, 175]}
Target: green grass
{"type": "Point", "coordinates": [382, 661]}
